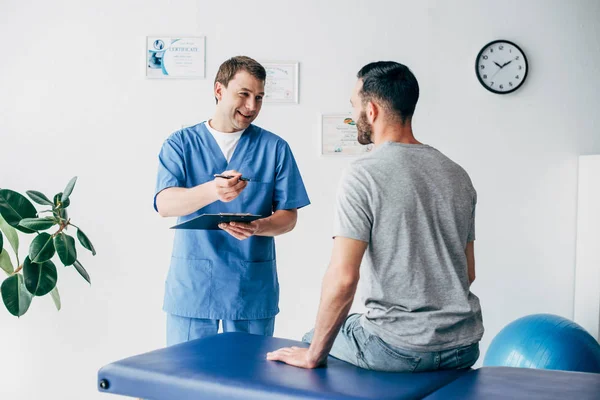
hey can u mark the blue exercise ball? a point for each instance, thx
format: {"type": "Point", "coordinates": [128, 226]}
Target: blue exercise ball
{"type": "Point", "coordinates": [544, 341]}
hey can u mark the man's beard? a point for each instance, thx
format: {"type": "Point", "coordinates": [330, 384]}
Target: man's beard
{"type": "Point", "coordinates": [364, 129]}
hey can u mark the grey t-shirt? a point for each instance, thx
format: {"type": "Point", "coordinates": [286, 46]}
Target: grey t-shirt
{"type": "Point", "coordinates": [416, 209]}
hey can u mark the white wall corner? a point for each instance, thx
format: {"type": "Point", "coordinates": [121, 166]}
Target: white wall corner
{"type": "Point", "coordinates": [587, 266]}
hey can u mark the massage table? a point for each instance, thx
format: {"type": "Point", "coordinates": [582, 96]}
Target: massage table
{"type": "Point", "coordinates": [233, 366]}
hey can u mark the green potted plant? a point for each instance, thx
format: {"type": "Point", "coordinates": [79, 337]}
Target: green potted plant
{"type": "Point", "coordinates": [37, 275]}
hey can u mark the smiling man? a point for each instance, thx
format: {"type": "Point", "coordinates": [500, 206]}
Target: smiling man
{"type": "Point", "coordinates": [407, 213]}
{"type": "Point", "coordinates": [227, 277]}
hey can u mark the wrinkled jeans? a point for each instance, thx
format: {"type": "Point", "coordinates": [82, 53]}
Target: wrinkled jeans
{"type": "Point", "coordinates": [357, 346]}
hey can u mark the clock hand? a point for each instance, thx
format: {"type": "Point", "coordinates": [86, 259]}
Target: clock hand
{"type": "Point", "coordinates": [495, 73]}
{"type": "Point", "coordinates": [505, 64]}
{"type": "Point", "coordinates": [498, 64]}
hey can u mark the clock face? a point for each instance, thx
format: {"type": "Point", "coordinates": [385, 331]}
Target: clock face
{"type": "Point", "coordinates": [501, 67]}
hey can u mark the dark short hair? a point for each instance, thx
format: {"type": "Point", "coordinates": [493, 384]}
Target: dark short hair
{"type": "Point", "coordinates": [229, 68]}
{"type": "Point", "coordinates": [393, 85]}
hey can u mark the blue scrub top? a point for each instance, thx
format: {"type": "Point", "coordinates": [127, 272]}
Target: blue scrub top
{"type": "Point", "coordinates": [212, 274]}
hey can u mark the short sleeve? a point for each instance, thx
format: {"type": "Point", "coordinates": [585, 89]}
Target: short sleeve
{"type": "Point", "coordinates": [289, 191]}
{"type": "Point", "coordinates": [471, 236]}
{"type": "Point", "coordinates": [171, 169]}
{"type": "Point", "coordinates": [353, 216]}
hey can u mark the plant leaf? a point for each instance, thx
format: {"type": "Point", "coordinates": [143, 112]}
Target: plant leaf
{"type": "Point", "coordinates": [5, 263]}
{"type": "Point", "coordinates": [10, 233]}
{"type": "Point", "coordinates": [58, 203]}
{"type": "Point", "coordinates": [64, 214]}
{"type": "Point", "coordinates": [68, 189]}
{"type": "Point", "coordinates": [41, 248]}
{"type": "Point", "coordinates": [39, 197]}
{"type": "Point", "coordinates": [82, 271]}
{"type": "Point", "coordinates": [85, 241]}
{"type": "Point", "coordinates": [14, 207]}
{"type": "Point", "coordinates": [38, 224]}
{"type": "Point", "coordinates": [65, 247]}
{"type": "Point", "coordinates": [56, 297]}
{"type": "Point", "coordinates": [40, 279]}
{"type": "Point", "coordinates": [1, 241]}
{"type": "Point", "coordinates": [15, 296]}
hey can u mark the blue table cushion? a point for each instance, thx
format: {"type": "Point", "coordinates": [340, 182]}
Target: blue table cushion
{"type": "Point", "coordinates": [490, 383]}
{"type": "Point", "coordinates": [233, 366]}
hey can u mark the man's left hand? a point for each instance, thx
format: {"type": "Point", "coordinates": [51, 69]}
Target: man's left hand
{"type": "Point", "coordinates": [241, 230]}
{"type": "Point", "coordinates": [295, 356]}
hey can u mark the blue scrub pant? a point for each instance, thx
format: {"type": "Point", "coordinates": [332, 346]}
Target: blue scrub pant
{"type": "Point", "coordinates": [183, 329]}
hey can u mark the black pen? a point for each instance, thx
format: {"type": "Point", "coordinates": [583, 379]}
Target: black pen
{"type": "Point", "coordinates": [231, 176]}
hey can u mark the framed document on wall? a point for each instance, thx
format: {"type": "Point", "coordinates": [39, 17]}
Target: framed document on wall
{"type": "Point", "coordinates": [339, 136]}
{"type": "Point", "coordinates": [281, 85]}
{"type": "Point", "coordinates": [175, 57]}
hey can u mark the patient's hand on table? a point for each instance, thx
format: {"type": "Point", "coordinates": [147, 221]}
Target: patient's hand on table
{"type": "Point", "coordinates": [295, 356]}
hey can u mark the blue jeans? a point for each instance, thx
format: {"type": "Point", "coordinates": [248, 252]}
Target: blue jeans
{"type": "Point", "coordinates": [183, 329]}
{"type": "Point", "coordinates": [357, 346]}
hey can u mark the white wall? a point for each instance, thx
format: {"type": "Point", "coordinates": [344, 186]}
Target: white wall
{"type": "Point", "coordinates": [74, 101]}
{"type": "Point", "coordinates": [586, 307]}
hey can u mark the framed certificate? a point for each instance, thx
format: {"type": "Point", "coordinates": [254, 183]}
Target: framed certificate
{"type": "Point", "coordinates": [281, 85]}
{"type": "Point", "coordinates": [175, 57]}
{"type": "Point", "coordinates": [339, 136]}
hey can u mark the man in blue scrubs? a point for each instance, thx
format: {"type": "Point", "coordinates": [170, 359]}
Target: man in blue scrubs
{"type": "Point", "coordinates": [230, 275]}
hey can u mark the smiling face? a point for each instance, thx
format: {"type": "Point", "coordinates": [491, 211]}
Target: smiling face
{"type": "Point", "coordinates": [239, 103]}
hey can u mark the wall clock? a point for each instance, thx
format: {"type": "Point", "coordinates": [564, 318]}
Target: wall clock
{"type": "Point", "coordinates": [501, 67]}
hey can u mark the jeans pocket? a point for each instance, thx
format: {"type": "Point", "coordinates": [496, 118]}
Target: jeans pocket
{"type": "Point", "coordinates": [380, 356]}
{"type": "Point", "coordinates": [467, 356]}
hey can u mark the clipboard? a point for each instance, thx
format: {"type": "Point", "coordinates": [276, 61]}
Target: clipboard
{"type": "Point", "coordinates": [212, 221]}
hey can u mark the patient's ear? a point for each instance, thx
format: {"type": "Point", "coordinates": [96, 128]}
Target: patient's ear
{"type": "Point", "coordinates": [372, 111]}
